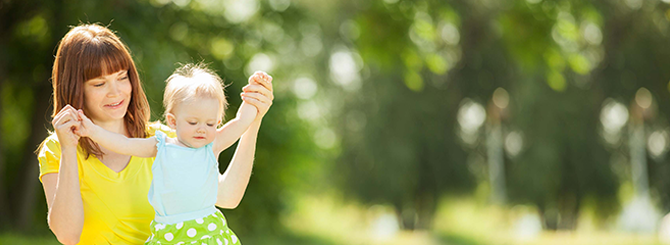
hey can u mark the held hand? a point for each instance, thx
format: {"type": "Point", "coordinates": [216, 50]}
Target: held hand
{"type": "Point", "coordinates": [258, 77]}
{"type": "Point", "coordinates": [247, 112]}
{"type": "Point", "coordinates": [87, 126]}
{"type": "Point", "coordinates": [66, 123]}
{"type": "Point", "coordinates": [259, 93]}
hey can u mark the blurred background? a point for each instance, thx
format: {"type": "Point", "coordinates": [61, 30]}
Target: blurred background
{"type": "Point", "coordinates": [395, 121]}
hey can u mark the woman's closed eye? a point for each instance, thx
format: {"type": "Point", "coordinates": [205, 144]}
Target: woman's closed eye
{"type": "Point", "coordinates": [210, 124]}
{"type": "Point", "coordinates": [98, 84]}
{"type": "Point", "coordinates": [192, 123]}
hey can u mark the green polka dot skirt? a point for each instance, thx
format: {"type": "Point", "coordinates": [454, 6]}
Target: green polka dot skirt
{"type": "Point", "coordinates": [211, 230]}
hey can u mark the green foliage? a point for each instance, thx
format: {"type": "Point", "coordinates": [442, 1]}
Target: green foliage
{"type": "Point", "coordinates": [368, 94]}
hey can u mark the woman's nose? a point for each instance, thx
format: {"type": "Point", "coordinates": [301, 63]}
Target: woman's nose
{"type": "Point", "coordinates": [113, 89]}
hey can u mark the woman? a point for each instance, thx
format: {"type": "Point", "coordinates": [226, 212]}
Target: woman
{"type": "Point", "coordinates": [94, 195]}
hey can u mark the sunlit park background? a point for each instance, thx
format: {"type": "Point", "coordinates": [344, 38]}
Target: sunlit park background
{"type": "Point", "coordinates": [395, 121]}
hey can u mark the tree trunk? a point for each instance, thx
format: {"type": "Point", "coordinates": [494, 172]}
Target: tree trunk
{"type": "Point", "coordinates": [30, 185]}
{"type": "Point", "coordinates": [550, 218]}
{"type": "Point", "coordinates": [40, 121]}
{"type": "Point", "coordinates": [569, 212]}
{"type": "Point", "coordinates": [426, 206]}
{"type": "Point", "coordinates": [4, 208]}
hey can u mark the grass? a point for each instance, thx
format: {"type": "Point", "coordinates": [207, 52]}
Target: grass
{"type": "Point", "coordinates": [329, 220]}
{"type": "Point", "coordinates": [20, 239]}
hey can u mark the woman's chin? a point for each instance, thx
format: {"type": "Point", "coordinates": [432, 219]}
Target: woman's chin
{"type": "Point", "coordinates": [112, 116]}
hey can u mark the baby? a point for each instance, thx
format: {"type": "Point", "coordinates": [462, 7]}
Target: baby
{"type": "Point", "coordinates": [185, 172]}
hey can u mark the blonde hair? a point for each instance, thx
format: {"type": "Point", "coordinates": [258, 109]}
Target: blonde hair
{"type": "Point", "coordinates": [193, 80]}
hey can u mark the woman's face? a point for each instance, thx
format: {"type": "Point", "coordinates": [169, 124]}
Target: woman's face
{"type": "Point", "coordinates": [106, 98]}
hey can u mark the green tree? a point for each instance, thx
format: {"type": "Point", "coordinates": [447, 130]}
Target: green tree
{"type": "Point", "coordinates": [235, 40]}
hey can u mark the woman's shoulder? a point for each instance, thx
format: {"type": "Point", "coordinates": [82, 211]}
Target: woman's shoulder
{"type": "Point", "coordinates": [49, 144]}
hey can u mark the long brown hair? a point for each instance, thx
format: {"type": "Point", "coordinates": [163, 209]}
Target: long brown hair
{"type": "Point", "coordinates": [88, 51]}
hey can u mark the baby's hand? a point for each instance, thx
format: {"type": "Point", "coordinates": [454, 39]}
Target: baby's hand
{"type": "Point", "coordinates": [87, 126]}
{"type": "Point", "coordinates": [259, 77]}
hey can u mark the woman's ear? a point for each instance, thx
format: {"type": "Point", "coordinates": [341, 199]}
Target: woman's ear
{"type": "Point", "coordinates": [171, 120]}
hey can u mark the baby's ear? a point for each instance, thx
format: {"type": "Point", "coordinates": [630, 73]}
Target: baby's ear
{"type": "Point", "coordinates": [171, 120]}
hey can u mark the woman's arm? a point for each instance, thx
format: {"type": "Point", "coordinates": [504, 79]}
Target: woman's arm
{"type": "Point", "coordinates": [233, 182]}
{"type": "Point", "coordinates": [66, 208]}
{"type": "Point", "coordinates": [141, 147]}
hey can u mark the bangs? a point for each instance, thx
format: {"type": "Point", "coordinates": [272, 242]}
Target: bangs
{"type": "Point", "coordinates": [104, 57]}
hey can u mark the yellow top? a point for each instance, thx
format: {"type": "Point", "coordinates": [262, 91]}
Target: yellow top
{"type": "Point", "coordinates": [116, 206]}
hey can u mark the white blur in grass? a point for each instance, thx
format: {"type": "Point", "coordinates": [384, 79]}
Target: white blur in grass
{"type": "Point", "coordinates": [304, 88]}
{"type": "Point", "coordinates": [501, 98]}
{"type": "Point", "coordinates": [528, 227]}
{"type": "Point", "coordinates": [643, 98]}
{"type": "Point", "coordinates": [657, 143]}
{"type": "Point", "coordinates": [325, 138]}
{"type": "Point", "coordinates": [345, 67]}
{"type": "Point", "coordinates": [513, 143]}
{"type": "Point", "coordinates": [613, 117]}
{"type": "Point", "coordinates": [309, 111]}
{"type": "Point", "coordinates": [238, 11]}
{"type": "Point", "coordinates": [471, 116]}
{"type": "Point", "coordinates": [260, 62]}
{"type": "Point", "coordinates": [639, 215]}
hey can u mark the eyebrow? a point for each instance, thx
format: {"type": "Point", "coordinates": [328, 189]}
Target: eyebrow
{"type": "Point", "coordinates": [117, 74]}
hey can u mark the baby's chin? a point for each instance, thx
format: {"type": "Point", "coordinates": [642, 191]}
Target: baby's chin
{"type": "Point", "coordinates": [199, 143]}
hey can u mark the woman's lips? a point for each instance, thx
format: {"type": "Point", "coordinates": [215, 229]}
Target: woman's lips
{"type": "Point", "coordinates": [115, 105]}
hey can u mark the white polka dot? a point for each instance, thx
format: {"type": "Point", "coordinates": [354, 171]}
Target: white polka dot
{"type": "Point", "coordinates": [159, 227]}
{"type": "Point", "coordinates": [223, 221]}
{"type": "Point", "coordinates": [199, 220]}
{"type": "Point", "coordinates": [211, 227]}
{"type": "Point", "coordinates": [218, 241]}
{"type": "Point", "coordinates": [180, 224]}
{"type": "Point", "coordinates": [221, 232]}
{"type": "Point", "coordinates": [234, 239]}
{"type": "Point", "coordinates": [169, 236]}
{"type": "Point", "coordinates": [204, 243]}
{"type": "Point", "coordinates": [191, 232]}
{"type": "Point", "coordinates": [180, 243]}
{"type": "Point", "coordinates": [225, 240]}
{"type": "Point", "coordinates": [205, 237]}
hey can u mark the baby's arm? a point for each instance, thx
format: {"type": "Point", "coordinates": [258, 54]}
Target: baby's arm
{"type": "Point", "coordinates": [141, 147]}
{"type": "Point", "coordinates": [232, 130]}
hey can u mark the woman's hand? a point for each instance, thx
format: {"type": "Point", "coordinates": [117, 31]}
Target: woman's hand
{"type": "Point", "coordinates": [66, 123]}
{"type": "Point", "coordinates": [259, 93]}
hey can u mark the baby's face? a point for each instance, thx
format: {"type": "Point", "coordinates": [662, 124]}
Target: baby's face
{"type": "Point", "coordinates": [196, 120]}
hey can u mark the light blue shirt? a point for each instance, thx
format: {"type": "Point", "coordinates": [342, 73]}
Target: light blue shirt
{"type": "Point", "coordinates": [185, 182]}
